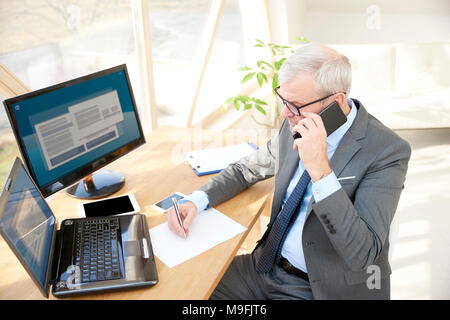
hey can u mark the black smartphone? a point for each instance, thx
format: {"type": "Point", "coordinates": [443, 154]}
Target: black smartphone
{"type": "Point", "coordinates": [125, 204]}
{"type": "Point", "coordinates": [332, 116]}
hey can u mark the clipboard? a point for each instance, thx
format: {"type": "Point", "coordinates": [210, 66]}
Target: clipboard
{"type": "Point", "coordinates": [214, 160]}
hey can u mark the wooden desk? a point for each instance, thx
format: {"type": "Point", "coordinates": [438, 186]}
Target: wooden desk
{"type": "Point", "coordinates": [152, 172]}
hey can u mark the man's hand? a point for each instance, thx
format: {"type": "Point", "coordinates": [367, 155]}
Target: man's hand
{"type": "Point", "coordinates": [312, 146]}
{"type": "Point", "coordinates": [188, 212]}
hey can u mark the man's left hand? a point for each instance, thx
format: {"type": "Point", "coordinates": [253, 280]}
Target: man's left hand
{"type": "Point", "coordinates": [312, 146]}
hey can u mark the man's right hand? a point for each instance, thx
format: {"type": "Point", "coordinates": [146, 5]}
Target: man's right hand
{"type": "Point", "coordinates": [188, 212]}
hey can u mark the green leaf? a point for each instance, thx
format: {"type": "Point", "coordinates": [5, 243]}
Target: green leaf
{"type": "Point", "coordinates": [260, 43]}
{"type": "Point", "coordinates": [260, 109]}
{"type": "Point", "coordinates": [229, 100]}
{"type": "Point", "coordinates": [236, 104]}
{"type": "Point", "coordinates": [247, 106]}
{"type": "Point", "coordinates": [274, 52]}
{"type": "Point", "coordinates": [265, 77]}
{"type": "Point", "coordinates": [260, 77]}
{"type": "Point", "coordinates": [277, 49]}
{"type": "Point", "coordinates": [279, 63]}
{"type": "Point", "coordinates": [275, 81]}
{"type": "Point", "coordinates": [261, 62]}
{"type": "Point", "coordinates": [244, 68]}
{"type": "Point", "coordinates": [302, 39]}
{"type": "Point", "coordinates": [243, 99]}
{"type": "Point", "coordinates": [258, 101]}
{"type": "Point", "coordinates": [247, 77]}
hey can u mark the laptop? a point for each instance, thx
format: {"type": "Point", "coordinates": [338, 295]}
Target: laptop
{"type": "Point", "coordinates": [86, 255]}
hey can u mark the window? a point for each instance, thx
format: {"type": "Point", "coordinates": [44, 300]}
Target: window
{"type": "Point", "coordinates": [240, 24]}
{"type": "Point", "coordinates": [185, 41]}
{"type": "Point", "coordinates": [177, 31]}
{"type": "Point", "coordinates": [46, 41]}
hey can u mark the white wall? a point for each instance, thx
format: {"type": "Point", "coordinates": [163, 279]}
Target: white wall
{"type": "Point", "coordinates": [360, 21]}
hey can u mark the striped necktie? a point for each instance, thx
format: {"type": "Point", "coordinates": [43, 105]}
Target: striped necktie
{"type": "Point", "coordinates": [272, 250]}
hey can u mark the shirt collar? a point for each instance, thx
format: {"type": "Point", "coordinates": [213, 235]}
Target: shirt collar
{"type": "Point", "coordinates": [336, 137]}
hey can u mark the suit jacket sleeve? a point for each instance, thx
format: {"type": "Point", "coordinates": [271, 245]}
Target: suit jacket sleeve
{"type": "Point", "coordinates": [260, 165]}
{"type": "Point", "coordinates": [361, 226]}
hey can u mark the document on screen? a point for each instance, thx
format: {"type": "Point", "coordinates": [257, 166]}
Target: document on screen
{"type": "Point", "coordinates": [209, 229]}
{"type": "Point", "coordinates": [86, 126]}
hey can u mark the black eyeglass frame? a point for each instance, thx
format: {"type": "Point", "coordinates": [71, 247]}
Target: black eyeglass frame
{"type": "Point", "coordinates": [296, 109]}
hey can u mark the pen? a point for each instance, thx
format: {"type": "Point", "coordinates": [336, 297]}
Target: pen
{"type": "Point", "coordinates": [175, 205]}
{"type": "Point", "coordinates": [346, 178]}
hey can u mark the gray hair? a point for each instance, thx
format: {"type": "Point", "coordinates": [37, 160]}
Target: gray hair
{"type": "Point", "coordinates": [331, 70]}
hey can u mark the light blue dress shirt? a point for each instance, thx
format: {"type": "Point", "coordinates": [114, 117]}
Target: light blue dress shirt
{"type": "Point", "coordinates": [292, 248]}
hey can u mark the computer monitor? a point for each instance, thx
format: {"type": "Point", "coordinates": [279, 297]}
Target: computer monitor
{"type": "Point", "coordinates": [68, 131]}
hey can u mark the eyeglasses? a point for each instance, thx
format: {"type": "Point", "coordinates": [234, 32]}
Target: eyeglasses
{"type": "Point", "coordinates": [296, 109]}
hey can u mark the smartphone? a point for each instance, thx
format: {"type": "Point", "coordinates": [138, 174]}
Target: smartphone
{"type": "Point", "coordinates": [125, 204]}
{"type": "Point", "coordinates": [332, 116]}
{"type": "Point", "coordinates": [165, 204]}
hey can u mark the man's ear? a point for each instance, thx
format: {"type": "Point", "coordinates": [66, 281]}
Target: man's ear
{"type": "Point", "coordinates": [340, 98]}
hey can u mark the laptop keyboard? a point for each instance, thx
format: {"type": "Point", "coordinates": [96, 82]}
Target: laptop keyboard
{"type": "Point", "coordinates": [97, 249]}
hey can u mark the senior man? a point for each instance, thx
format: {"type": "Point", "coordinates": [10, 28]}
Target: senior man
{"type": "Point", "coordinates": [334, 196]}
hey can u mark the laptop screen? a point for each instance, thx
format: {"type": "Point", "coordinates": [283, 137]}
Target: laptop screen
{"type": "Point", "coordinates": [27, 224]}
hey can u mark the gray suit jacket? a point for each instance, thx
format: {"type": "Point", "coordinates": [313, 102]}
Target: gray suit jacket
{"type": "Point", "coordinates": [345, 236]}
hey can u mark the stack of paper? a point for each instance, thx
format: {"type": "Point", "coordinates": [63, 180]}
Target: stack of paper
{"type": "Point", "coordinates": [216, 159]}
{"type": "Point", "coordinates": [208, 229]}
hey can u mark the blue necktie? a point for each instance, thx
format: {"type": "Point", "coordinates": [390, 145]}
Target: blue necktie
{"type": "Point", "coordinates": [272, 250]}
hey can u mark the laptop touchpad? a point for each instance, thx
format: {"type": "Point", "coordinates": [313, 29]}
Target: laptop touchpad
{"type": "Point", "coordinates": [132, 248]}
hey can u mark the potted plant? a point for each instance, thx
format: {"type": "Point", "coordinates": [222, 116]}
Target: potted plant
{"type": "Point", "coordinates": [264, 73]}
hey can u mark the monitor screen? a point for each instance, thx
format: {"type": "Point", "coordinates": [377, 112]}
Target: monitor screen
{"type": "Point", "coordinates": [27, 224]}
{"type": "Point", "coordinates": [67, 131]}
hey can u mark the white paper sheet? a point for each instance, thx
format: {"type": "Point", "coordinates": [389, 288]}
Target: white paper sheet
{"type": "Point", "coordinates": [208, 229]}
{"type": "Point", "coordinates": [214, 160]}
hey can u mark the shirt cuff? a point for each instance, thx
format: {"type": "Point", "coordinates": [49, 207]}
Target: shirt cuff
{"type": "Point", "coordinates": [325, 187]}
{"type": "Point", "coordinates": [199, 198]}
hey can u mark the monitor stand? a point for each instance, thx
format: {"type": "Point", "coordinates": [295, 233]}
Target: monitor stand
{"type": "Point", "coordinates": [98, 185]}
